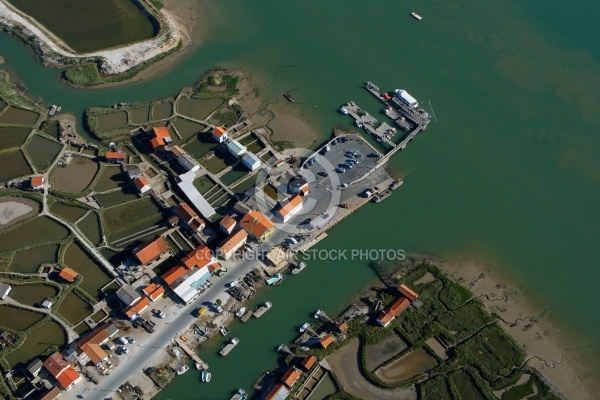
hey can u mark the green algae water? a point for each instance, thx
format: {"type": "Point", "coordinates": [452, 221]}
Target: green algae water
{"type": "Point", "coordinates": [509, 175]}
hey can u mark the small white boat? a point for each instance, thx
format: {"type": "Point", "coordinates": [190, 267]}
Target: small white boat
{"type": "Point", "coordinates": [242, 393]}
{"type": "Point", "coordinates": [304, 327]}
{"type": "Point", "coordinates": [198, 367]}
{"type": "Point", "coordinates": [225, 350]}
{"type": "Point", "coordinates": [208, 376]}
{"type": "Point", "coordinates": [344, 110]}
{"type": "Point", "coordinates": [298, 268]}
{"type": "Point", "coordinates": [358, 123]}
{"type": "Point", "coordinates": [203, 375]}
{"type": "Point", "coordinates": [240, 312]}
{"type": "Point", "coordinates": [182, 370]}
{"type": "Point", "coordinates": [224, 331]}
{"type": "Point", "coordinates": [318, 314]}
{"type": "Point", "coordinates": [416, 16]}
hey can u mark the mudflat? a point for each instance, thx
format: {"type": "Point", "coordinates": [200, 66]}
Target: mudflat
{"type": "Point", "coordinates": [15, 209]}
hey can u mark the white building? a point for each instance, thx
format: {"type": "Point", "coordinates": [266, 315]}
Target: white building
{"type": "Point", "coordinates": [186, 184]}
{"type": "Point", "coordinates": [251, 161]}
{"type": "Point", "coordinates": [186, 287]}
{"type": "Point", "coordinates": [236, 148]}
{"type": "Point", "coordinates": [186, 161]}
{"type": "Point", "coordinates": [4, 290]}
{"type": "Point", "coordinates": [233, 243]}
{"type": "Point", "coordinates": [219, 134]}
{"type": "Point", "coordinates": [141, 184]}
{"type": "Point", "coordinates": [290, 208]}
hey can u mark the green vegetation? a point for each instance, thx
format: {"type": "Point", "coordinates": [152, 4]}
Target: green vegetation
{"type": "Point", "coordinates": [157, 4]}
{"type": "Point", "coordinates": [284, 144]}
{"type": "Point", "coordinates": [435, 388]}
{"type": "Point", "coordinates": [224, 86]}
{"type": "Point", "coordinates": [126, 215]}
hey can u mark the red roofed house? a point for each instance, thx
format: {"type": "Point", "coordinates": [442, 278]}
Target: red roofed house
{"type": "Point", "coordinates": [68, 274]}
{"type": "Point", "coordinates": [135, 310]}
{"type": "Point", "coordinates": [51, 394]}
{"type": "Point", "coordinates": [325, 341]}
{"type": "Point", "coordinates": [229, 246]}
{"type": "Point", "coordinates": [37, 182]}
{"type": "Point", "coordinates": [141, 184]}
{"type": "Point", "coordinates": [341, 327]}
{"type": "Point", "coordinates": [257, 225]}
{"type": "Point", "coordinates": [158, 144]}
{"type": "Point", "coordinates": [62, 371]}
{"type": "Point", "coordinates": [184, 279]}
{"type": "Point", "coordinates": [95, 353]}
{"type": "Point", "coordinates": [289, 209]}
{"type": "Point", "coordinates": [153, 291]}
{"type": "Point", "coordinates": [159, 137]}
{"type": "Point", "coordinates": [151, 250]}
{"type": "Point", "coordinates": [115, 157]}
{"type": "Point", "coordinates": [173, 274]}
{"type": "Point", "coordinates": [219, 134]}
{"type": "Point", "coordinates": [227, 224]}
{"type": "Point", "coordinates": [290, 377]}
{"type": "Point", "coordinates": [408, 292]}
{"type": "Point", "coordinates": [308, 362]}
{"type": "Point", "coordinates": [279, 392]}
{"type": "Point", "coordinates": [189, 216]}
{"type": "Point", "coordinates": [388, 315]}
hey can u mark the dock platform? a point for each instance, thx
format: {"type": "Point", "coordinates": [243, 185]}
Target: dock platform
{"type": "Point", "coordinates": [266, 307]}
{"type": "Point", "coordinates": [191, 353]}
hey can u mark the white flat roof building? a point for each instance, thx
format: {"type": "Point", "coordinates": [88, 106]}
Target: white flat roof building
{"type": "Point", "coordinates": [186, 184]}
{"type": "Point", "coordinates": [236, 148]}
{"type": "Point", "coordinates": [186, 287]}
{"type": "Point", "coordinates": [251, 161]}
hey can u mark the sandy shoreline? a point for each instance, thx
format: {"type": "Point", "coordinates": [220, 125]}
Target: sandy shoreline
{"type": "Point", "coordinates": [540, 341]}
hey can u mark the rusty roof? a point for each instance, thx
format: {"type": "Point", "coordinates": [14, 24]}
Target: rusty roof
{"type": "Point", "coordinates": [150, 250]}
{"type": "Point", "coordinates": [68, 274]}
{"type": "Point", "coordinates": [408, 292]}
{"type": "Point", "coordinates": [256, 223]}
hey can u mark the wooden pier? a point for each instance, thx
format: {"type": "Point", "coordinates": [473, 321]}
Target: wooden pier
{"type": "Point", "coordinates": [191, 353]}
{"type": "Point", "coordinates": [368, 122]}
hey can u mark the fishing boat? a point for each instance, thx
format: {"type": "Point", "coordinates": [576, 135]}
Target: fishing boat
{"type": "Point", "coordinates": [227, 349]}
{"type": "Point", "coordinates": [240, 312]}
{"type": "Point", "coordinates": [258, 313]}
{"type": "Point", "coordinates": [182, 370]}
{"type": "Point", "coordinates": [318, 314]}
{"type": "Point", "coordinates": [298, 268]}
{"type": "Point", "coordinates": [289, 97]}
{"type": "Point", "coordinates": [416, 16]}
{"type": "Point", "coordinates": [275, 280]}
{"type": "Point", "coordinates": [304, 327]}
{"type": "Point", "coordinates": [344, 110]}
{"type": "Point", "coordinates": [224, 331]}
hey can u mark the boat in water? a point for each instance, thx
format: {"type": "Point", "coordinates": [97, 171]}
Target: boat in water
{"type": "Point", "coordinates": [275, 279]}
{"type": "Point", "coordinates": [182, 370]}
{"type": "Point", "coordinates": [239, 395]}
{"type": "Point", "coordinates": [344, 110]}
{"type": "Point", "coordinates": [240, 312]}
{"type": "Point", "coordinates": [416, 16]}
{"type": "Point", "coordinates": [358, 123]}
{"type": "Point", "coordinates": [298, 268]}
{"type": "Point", "coordinates": [224, 331]}
{"type": "Point", "coordinates": [258, 313]}
{"type": "Point", "coordinates": [304, 327]}
{"type": "Point", "coordinates": [289, 97]}
{"type": "Point", "coordinates": [208, 376]}
{"type": "Point", "coordinates": [318, 314]}
{"type": "Point", "coordinates": [227, 349]}
{"type": "Point", "coordinates": [198, 367]}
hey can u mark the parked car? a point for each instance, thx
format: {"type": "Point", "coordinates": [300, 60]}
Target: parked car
{"type": "Point", "coordinates": [323, 174]}
{"type": "Point", "coordinates": [123, 349]}
{"type": "Point", "coordinates": [121, 340]}
{"type": "Point", "coordinates": [130, 339]}
{"type": "Point", "coordinates": [218, 308]}
{"type": "Point", "coordinates": [340, 170]}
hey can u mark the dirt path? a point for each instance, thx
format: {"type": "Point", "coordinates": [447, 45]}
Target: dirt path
{"type": "Point", "coordinates": [344, 364]}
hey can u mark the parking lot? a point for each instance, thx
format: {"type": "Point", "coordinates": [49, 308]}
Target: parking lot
{"type": "Point", "coordinates": [337, 156]}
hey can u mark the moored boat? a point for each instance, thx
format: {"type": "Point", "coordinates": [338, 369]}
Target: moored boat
{"type": "Point", "coordinates": [344, 110]}
{"type": "Point", "coordinates": [275, 280]}
{"type": "Point", "coordinates": [298, 268]}
{"type": "Point", "coordinates": [358, 123]}
{"type": "Point", "coordinates": [223, 330]}
{"type": "Point", "coordinates": [225, 350]}
{"type": "Point", "coordinates": [240, 312]}
{"type": "Point", "coordinates": [203, 375]}
{"type": "Point", "coordinates": [182, 370]}
{"type": "Point", "coordinates": [416, 16]}
{"type": "Point", "coordinates": [198, 367]}
{"type": "Point", "coordinates": [304, 327]}
{"type": "Point", "coordinates": [258, 313]}
{"type": "Point", "coordinates": [208, 376]}
{"type": "Point", "coordinates": [318, 314]}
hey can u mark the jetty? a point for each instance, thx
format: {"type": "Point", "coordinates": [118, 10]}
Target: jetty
{"type": "Point", "coordinates": [246, 316]}
{"type": "Point", "coordinates": [259, 313]}
{"type": "Point", "coordinates": [368, 122]}
{"type": "Point", "coordinates": [191, 353]}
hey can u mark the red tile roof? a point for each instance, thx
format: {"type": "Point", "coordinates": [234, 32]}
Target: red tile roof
{"type": "Point", "coordinates": [68, 274]}
{"type": "Point", "coordinates": [256, 223]}
{"type": "Point", "coordinates": [408, 292]}
{"type": "Point", "coordinates": [228, 222]}
{"type": "Point", "coordinates": [325, 341]}
{"type": "Point", "coordinates": [201, 256]}
{"type": "Point", "coordinates": [218, 131]}
{"type": "Point", "coordinates": [189, 216]}
{"type": "Point", "coordinates": [97, 336]}
{"type": "Point", "coordinates": [94, 352]}
{"type": "Point", "coordinates": [278, 392]}
{"type": "Point", "coordinates": [290, 377]}
{"type": "Point", "coordinates": [115, 155]}
{"type": "Point", "coordinates": [153, 291]}
{"type": "Point", "coordinates": [138, 307]}
{"type": "Point", "coordinates": [308, 362]}
{"type": "Point", "coordinates": [290, 205]}
{"type": "Point", "coordinates": [37, 181]}
{"type": "Point", "coordinates": [342, 327]}
{"type": "Point", "coordinates": [174, 273]}
{"type": "Point", "coordinates": [157, 142]}
{"type": "Point", "coordinates": [213, 267]}
{"type": "Point", "coordinates": [233, 241]}
{"type": "Point", "coordinates": [160, 132]}
{"type": "Point", "coordinates": [140, 182]}
{"type": "Point", "coordinates": [400, 305]}
{"type": "Point", "coordinates": [151, 250]}
{"type": "Point", "coordinates": [51, 394]}
{"type": "Point", "coordinates": [56, 364]}
{"type": "Point", "coordinates": [68, 377]}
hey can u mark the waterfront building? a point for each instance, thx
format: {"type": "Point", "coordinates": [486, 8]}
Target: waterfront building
{"type": "Point", "coordinates": [37, 182]}
{"type": "Point", "coordinates": [388, 315]}
{"type": "Point", "coordinates": [233, 243]}
{"type": "Point", "coordinates": [326, 341]}
{"type": "Point", "coordinates": [290, 377]}
{"type": "Point", "coordinates": [62, 371]}
{"type": "Point", "coordinates": [189, 216]}
{"type": "Point", "coordinates": [187, 162]}
{"type": "Point", "coordinates": [407, 292]}
{"type": "Point", "coordinates": [236, 148]}
{"type": "Point", "coordinates": [251, 161]}
{"type": "Point", "coordinates": [279, 392]}
{"type": "Point", "coordinates": [4, 290]}
{"type": "Point", "coordinates": [115, 157]}
{"type": "Point", "coordinates": [142, 184]}
{"type": "Point", "coordinates": [308, 362]}
{"type": "Point", "coordinates": [257, 225]}
{"type": "Point", "coordinates": [219, 134]}
{"type": "Point", "coordinates": [161, 132]}
{"type": "Point", "coordinates": [186, 185]}
{"type": "Point", "coordinates": [153, 291]}
{"type": "Point", "coordinates": [288, 209]}
{"type": "Point", "coordinates": [150, 250]}
{"type": "Point", "coordinates": [68, 274]}
{"type": "Point", "coordinates": [227, 224]}
{"type": "Point", "coordinates": [128, 295]}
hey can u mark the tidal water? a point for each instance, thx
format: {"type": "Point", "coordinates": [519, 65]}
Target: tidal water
{"type": "Point", "coordinates": [509, 175]}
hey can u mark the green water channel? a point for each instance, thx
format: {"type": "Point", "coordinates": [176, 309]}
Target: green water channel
{"type": "Point", "coordinates": [91, 25]}
{"type": "Point", "coordinates": [13, 165]}
{"type": "Point", "coordinates": [32, 295]}
{"type": "Point", "coordinates": [94, 276]}
{"type": "Point", "coordinates": [37, 231]}
{"type": "Point", "coordinates": [13, 137]}
{"type": "Point", "coordinates": [18, 116]}
{"type": "Point", "coordinates": [42, 151]}
{"type": "Point", "coordinates": [67, 212]}
{"type": "Point", "coordinates": [508, 176]}
{"type": "Point", "coordinates": [29, 261]}
{"type": "Point", "coordinates": [17, 319]}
